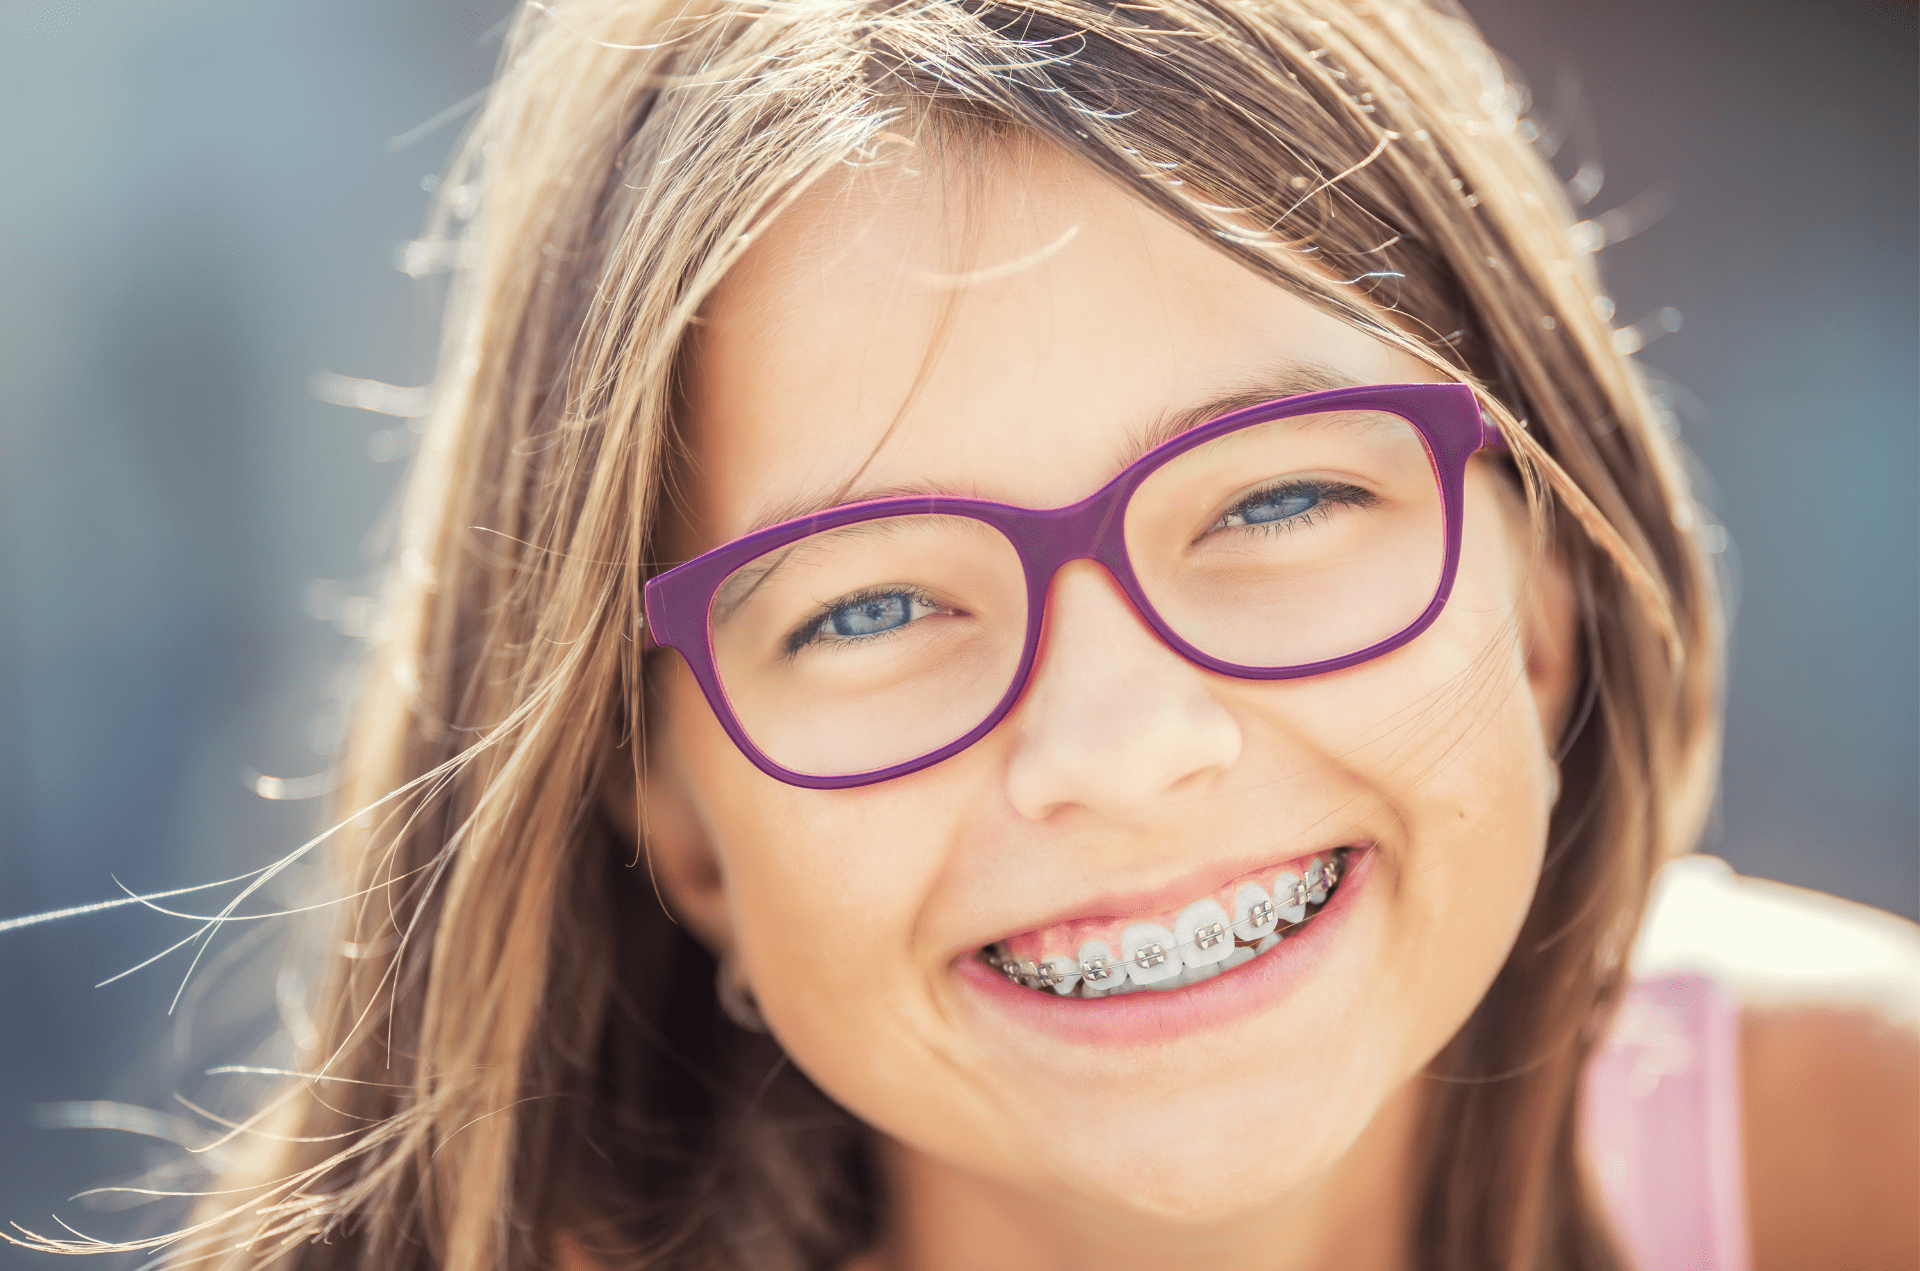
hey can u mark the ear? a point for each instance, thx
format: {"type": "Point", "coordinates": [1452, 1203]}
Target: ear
{"type": "Point", "coordinates": [653, 807]}
{"type": "Point", "coordinates": [1548, 617]}
{"type": "Point", "coordinates": [1549, 638]}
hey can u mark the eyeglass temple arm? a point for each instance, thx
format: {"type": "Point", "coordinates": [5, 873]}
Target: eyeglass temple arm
{"type": "Point", "coordinates": [1490, 438]}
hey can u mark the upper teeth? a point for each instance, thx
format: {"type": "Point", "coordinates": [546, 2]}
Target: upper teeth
{"type": "Point", "coordinates": [1153, 956]}
{"type": "Point", "coordinates": [1201, 930]}
{"type": "Point", "coordinates": [1098, 967]}
{"type": "Point", "coordinates": [1254, 914]}
{"type": "Point", "coordinates": [1145, 946]}
{"type": "Point", "coordinates": [1290, 894]}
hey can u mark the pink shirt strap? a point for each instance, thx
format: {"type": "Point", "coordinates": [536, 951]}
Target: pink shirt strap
{"type": "Point", "coordinates": [1660, 1118]}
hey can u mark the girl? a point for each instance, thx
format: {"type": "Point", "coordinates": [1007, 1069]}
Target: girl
{"type": "Point", "coordinates": [1037, 633]}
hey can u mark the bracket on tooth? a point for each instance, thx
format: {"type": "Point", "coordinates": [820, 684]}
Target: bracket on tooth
{"type": "Point", "coordinates": [1150, 955]}
{"type": "Point", "coordinates": [1211, 934]}
{"type": "Point", "coordinates": [1329, 875]}
{"type": "Point", "coordinates": [1046, 977]}
{"type": "Point", "coordinates": [1094, 970]}
{"type": "Point", "coordinates": [1261, 914]}
{"type": "Point", "coordinates": [1297, 894]}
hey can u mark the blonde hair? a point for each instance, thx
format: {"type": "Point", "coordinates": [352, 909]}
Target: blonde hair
{"type": "Point", "coordinates": [516, 1040]}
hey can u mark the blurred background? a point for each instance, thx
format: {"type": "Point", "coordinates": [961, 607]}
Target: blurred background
{"type": "Point", "coordinates": [202, 207]}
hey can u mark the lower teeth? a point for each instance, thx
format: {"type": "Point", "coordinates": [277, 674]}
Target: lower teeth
{"type": "Point", "coordinates": [1046, 977]}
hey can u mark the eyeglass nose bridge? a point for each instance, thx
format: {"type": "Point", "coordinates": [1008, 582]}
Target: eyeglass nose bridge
{"type": "Point", "coordinates": [1093, 529]}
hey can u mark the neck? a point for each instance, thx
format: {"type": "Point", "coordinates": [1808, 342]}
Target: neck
{"type": "Point", "coordinates": [1354, 1216]}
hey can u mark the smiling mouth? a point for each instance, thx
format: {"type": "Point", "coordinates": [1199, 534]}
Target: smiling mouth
{"type": "Point", "coordinates": [1245, 920]}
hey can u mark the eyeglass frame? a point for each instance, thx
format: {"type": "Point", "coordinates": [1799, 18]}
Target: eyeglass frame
{"type": "Point", "coordinates": [1448, 417]}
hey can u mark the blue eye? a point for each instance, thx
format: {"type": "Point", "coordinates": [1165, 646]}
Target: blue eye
{"type": "Point", "coordinates": [870, 616]}
{"type": "Point", "coordinates": [1295, 503]}
{"type": "Point", "coordinates": [863, 616]}
{"type": "Point", "coordinates": [1277, 505]}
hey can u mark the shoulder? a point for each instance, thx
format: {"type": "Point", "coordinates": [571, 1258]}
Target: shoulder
{"type": "Point", "coordinates": [1829, 997]}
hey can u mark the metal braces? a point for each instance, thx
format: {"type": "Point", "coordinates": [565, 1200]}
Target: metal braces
{"type": "Point", "coordinates": [1096, 970]}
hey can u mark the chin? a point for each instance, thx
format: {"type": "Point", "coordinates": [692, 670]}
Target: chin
{"type": "Point", "coordinates": [1203, 1162]}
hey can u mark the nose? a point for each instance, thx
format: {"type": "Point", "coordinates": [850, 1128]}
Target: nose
{"type": "Point", "coordinates": [1113, 721]}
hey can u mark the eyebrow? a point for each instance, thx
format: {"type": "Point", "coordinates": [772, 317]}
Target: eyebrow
{"type": "Point", "coordinates": [1291, 380]}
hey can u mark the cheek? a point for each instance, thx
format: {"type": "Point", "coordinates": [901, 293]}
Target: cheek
{"type": "Point", "coordinates": [825, 889]}
{"type": "Point", "coordinates": [1473, 782]}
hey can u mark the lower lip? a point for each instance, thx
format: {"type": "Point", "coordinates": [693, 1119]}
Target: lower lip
{"type": "Point", "coordinates": [1145, 1018]}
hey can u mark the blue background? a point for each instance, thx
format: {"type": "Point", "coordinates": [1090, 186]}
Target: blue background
{"type": "Point", "coordinates": [199, 208]}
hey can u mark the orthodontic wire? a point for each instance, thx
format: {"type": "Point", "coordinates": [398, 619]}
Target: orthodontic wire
{"type": "Point", "coordinates": [1331, 872]}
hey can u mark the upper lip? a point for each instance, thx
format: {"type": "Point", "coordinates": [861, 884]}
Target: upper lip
{"type": "Point", "coordinates": [1157, 899]}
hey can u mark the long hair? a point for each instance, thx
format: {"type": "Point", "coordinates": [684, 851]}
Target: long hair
{"type": "Point", "coordinates": [516, 1040]}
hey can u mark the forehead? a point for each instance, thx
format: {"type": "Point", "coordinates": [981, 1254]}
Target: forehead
{"type": "Point", "coordinates": [1002, 325]}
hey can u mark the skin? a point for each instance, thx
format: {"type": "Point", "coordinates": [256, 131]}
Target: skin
{"type": "Point", "coordinates": [841, 351]}
{"type": "Point", "coordinates": [1831, 1100]}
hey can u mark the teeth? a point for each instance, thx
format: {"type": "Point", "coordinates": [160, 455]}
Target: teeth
{"type": "Point", "coordinates": [1200, 945]}
{"type": "Point", "coordinates": [1254, 914]}
{"type": "Point", "coordinates": [1290, 896]}
{"type": "Point", "coordinates": [1202, 933]}
{"type": "Point", "coordinates": [1150, 953]}
{"type": "Point", "coordinates": [1099, 970]}
{"type": "Point", "coordinates": [1061, 974]}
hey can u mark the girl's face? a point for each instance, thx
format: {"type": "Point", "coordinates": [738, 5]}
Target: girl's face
{"type": "Point", "coordinates": [1009, 332]}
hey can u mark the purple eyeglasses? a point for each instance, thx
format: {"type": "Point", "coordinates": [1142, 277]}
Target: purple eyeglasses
{"type": "Point", "coordinates": [1288, 539]}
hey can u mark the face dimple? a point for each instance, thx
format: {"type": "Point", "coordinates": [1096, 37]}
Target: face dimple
{"type": "Point", "coordinates": [1127, 780]}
